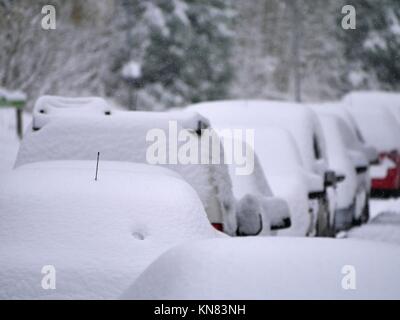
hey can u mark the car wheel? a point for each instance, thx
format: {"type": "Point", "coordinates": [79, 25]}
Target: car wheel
{"type": "Point", "coordinates": [323, 225]}
{"type": "Point", "coordinates": [366, 211]}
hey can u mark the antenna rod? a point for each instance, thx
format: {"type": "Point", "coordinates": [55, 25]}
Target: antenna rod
{"type": "Point", "coordinates": [97, 165]}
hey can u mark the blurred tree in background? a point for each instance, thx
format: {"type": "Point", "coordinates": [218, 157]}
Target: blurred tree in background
{"type": "Point", "coordinates": [143, 54]}
{"type": "Point", "coordinates": [372, 50]}
{"type": "Point", "coordinates": [155, 54]}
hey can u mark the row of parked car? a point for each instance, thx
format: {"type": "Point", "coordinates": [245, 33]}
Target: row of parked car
{"type": "Point", "coordinates": [315, 168]}
{"type": "Point", "coordinates": [314, 164]}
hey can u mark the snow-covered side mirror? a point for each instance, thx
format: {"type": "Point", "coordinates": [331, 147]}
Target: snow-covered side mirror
{"type": "Point", "coordinates": [340, 177]}
{"type": "Point", "coordinates": [371, 153]}
{"type": "Point", "coordinates": [315, 184]}
{"type": "Point", "coordinates": [359, 160]}
{"type": "Point", "coordinates": [277, 211]}
{"type": "Point", "coordinates": [249, 216]}
{"type": "Point", "coordinates": [330, 179]}
{"type": "Point", "coordinates": [320, 166]}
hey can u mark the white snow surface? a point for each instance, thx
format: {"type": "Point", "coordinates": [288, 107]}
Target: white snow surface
{"type": "Point", "coordinates": [12, 95]}
{"type": "Point", "coordinates": [384, 225]}
{"type": "Point", "coordinates": [99, 235]}
{"type": "Point", "coordinates": [49, 107]}
{"type": "Point", "coordinates": [271, 268]}
{"type": "Point", "coordinates": [377, 99]}
{"type": "Point", "coordinates": [9, 141]}
{"type": "Point", "coordinates": [132, 70]}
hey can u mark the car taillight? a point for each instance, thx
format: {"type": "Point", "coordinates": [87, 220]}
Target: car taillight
{"type": "Point", "coordinates": [218, 226]}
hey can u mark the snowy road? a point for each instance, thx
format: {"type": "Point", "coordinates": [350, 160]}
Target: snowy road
{"type": "Point", "coordinates": [384, 224]}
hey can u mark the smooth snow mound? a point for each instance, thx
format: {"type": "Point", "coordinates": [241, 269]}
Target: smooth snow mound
{"type": "Point", "coordinates": [99, 235]}
{"type": "Point", "coordinates": [271, 268]}
{"type": "Point", "coordinates": [388, 205]}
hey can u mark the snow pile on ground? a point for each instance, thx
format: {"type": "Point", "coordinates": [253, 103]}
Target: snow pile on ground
{"type": "Point", "coordinates": [99, 235]}
{"type": "Point", "coordinates": [272, 268]}
{"type": "Point", "coordinates": [384, 225]}
{"type": "Point", "coordinates": [384, 205]}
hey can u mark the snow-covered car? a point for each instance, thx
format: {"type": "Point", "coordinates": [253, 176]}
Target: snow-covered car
{"type": "Point", "coordinates": [280, 160]}
{"type": "Point", "coordinates": [127, 136]}
{"type": "Point", "coordinates": [377, 99]}
{"type": "Point", "coordinates": [304, 126]}
{"type": "Point", "coordinates": [274, 268]}
{"type": "Point", "coordinates": [357, 140]}
{"type": "Point", "coordinates": [254, 192]}
{"type": "Point", "coordinates": [89, 239]}
{"type": "Point", "coordinates": [353, 191]}
{"type": "Point", "coordinates": [381, 130]}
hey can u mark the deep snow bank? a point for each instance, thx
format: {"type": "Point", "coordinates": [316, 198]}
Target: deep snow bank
{"type": "Point", "coordinates": [274, 268]}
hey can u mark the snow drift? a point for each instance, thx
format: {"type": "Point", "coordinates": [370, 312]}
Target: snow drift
{"type": "Point", "coordinates": [274, 268]}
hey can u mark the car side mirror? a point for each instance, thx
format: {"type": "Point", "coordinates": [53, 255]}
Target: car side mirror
{"type": "Point", "coordinates": [249, 216]}
{"type": "Point", "coordinates": [340, 178]}
{"type": "Point", "coordinates": [276, 210]}
{"type": "Point", "coordinates": [330, 179]}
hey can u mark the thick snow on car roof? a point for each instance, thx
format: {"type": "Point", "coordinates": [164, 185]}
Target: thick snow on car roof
{"type": "Point", "coordinates": [48, 108]}
{"type": "Point", "coordinates": [338, 109]}
{"type": "Point", "coordinates": [274, 268]}
{"type": "Point", "coordinates": [378, 99]}
{"type": "Point", "coordinates": [99, 235]}
{"type": "Point", "coordinates": [376, 123]}
{"type": "Point", "coordinates": [297, 119]}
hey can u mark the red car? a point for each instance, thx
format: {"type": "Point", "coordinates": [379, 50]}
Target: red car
{"type": "Point", "coordinates": [381, 130]}
{"type": "Point", "coordinates": [391, 181]}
